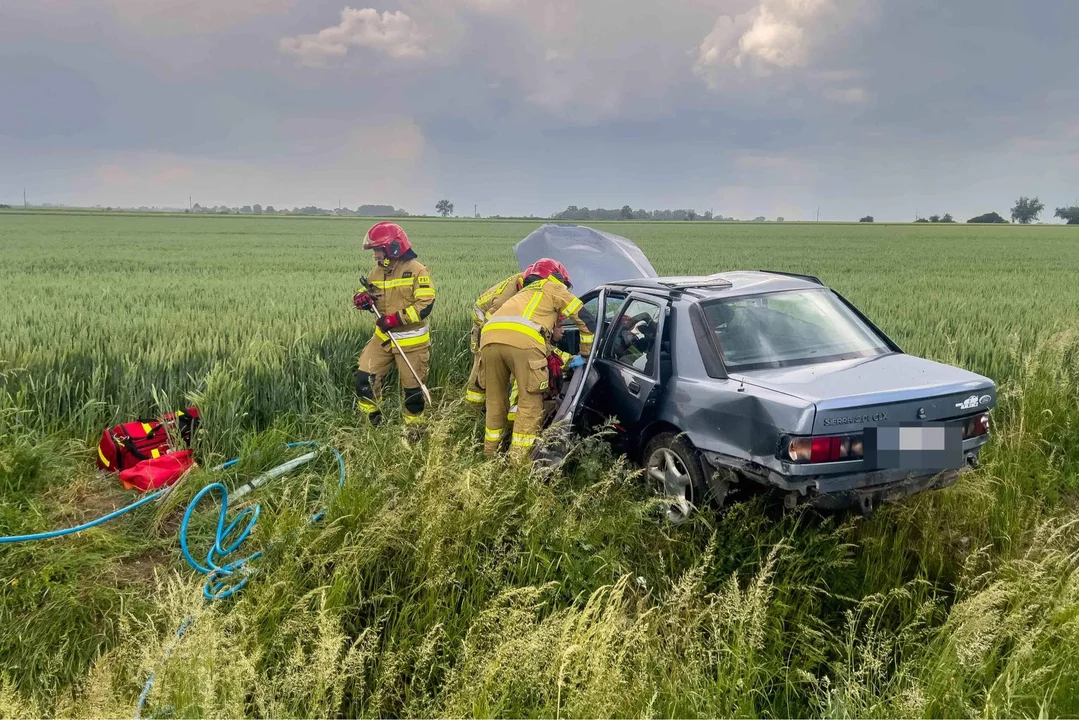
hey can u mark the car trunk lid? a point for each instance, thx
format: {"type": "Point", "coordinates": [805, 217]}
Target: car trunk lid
{"type": "Point", "coordinates": [851, 394]}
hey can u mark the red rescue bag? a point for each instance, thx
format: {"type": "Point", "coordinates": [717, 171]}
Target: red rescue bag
{"type": "Point", "coordinates": [126, 445]}
{"type": "Point", "coordinates": [157, 472]}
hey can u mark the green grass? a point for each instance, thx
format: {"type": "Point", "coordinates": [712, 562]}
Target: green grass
{"type": "Point", "coordinates": [442, 584]}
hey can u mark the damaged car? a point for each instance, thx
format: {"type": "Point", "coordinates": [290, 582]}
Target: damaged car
{"type": "Point", "coordinates": [755, 377]}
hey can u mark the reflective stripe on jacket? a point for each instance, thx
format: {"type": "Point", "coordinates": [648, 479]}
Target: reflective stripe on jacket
{"type": "Point", "coordinates": [528, 318]}
{"type": "Point", "coordinates": [494, 297]}
{"type": "Point", "coordinates": [406, 288]}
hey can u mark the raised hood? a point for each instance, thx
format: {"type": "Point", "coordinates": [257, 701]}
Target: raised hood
{"type": "Point", "coordinates": [592, 257]}
{"type": "Point", "coordinates": [850, 394]}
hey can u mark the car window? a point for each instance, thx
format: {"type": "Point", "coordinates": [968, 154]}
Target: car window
{"type": "Point", "coordinates": [614, 301]}
{"type": "Point", "coordinates": [634, 339]}
{"type": "Point", "coordinates": [791, 328]}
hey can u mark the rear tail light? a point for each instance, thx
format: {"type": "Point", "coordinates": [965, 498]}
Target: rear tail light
{"type": "Point", "coordinates": [831, 448]}
{"type": "Point", "coordinates": [976, 426]}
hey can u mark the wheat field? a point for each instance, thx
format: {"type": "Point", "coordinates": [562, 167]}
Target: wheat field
{"type": "Point", "coordinates": [443, 584]}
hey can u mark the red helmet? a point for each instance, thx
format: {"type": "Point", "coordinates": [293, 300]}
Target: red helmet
{"type": "Point", "coordinates": [390, 237]}
{"type": "Point", "coordinates": [546, 267]}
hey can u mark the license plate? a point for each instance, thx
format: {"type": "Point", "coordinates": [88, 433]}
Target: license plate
{"type": "Point", "coordinates": [913, 446]}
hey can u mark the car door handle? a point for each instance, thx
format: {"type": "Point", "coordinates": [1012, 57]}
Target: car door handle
{"type": "Point", "coordinates": [634, 387]}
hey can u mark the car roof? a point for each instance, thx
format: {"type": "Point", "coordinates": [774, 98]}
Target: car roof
{"type": "Point", "coordinates": [724, 284]}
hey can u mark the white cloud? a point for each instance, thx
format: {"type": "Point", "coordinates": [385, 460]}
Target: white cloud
{"type": "Point", "coordinates": [177, 17]}
{"type": "Point", "coordinates": [395, 35]}
{"type": "Point", "coordinates": [774, 35]}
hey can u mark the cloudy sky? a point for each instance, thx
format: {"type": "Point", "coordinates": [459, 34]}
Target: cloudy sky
{"type": "Point", "coordinates": [746, 107]}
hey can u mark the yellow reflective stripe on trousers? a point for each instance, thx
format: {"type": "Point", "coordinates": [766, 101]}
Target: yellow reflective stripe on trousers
{"type": "Point", "coordinates": [389, 284]}
{"type": "Point", "coordinates": [414, 316]}
{"type": "Point", "coordinates": [573, 306]}
{"type": "Point", "coordinates": [522, 440]}
{"type": "Point", "coordinates": [521, 325]}
{"type": "Point", "coordinates": [492, 435]}
{"type": "Point", "coordinates": [475, 397]}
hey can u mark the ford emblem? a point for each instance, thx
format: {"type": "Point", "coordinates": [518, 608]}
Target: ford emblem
{"type": "Point", "coordinates": [921, 413]}
{"type": "Point", "coordinates": [985, 399]}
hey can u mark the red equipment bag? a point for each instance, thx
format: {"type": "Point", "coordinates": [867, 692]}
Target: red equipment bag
{"type": "Point", "coordinates": [157, 472]}
{"type": "Point", "coordinates": [126, 445]}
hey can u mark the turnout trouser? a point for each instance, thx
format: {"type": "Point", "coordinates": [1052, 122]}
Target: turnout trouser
{"type": "Point", "coordinates": [475, 391]}
{"type": "Point", "coordinates": [528, 367]}
{"type": "Point", "coordinates": [376, 361]}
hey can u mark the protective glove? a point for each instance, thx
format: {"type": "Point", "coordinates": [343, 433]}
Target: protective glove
{"type": "Point", "coordinates": [364, 301]}
{"type": "Point", "coordinates": [388, 322]}
{"type": "Point", "coordinates": [554, 365]}
{"type": "Point", "coordinates": [575, 362]}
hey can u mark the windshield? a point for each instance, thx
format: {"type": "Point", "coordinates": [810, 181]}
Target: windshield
{"type": "Point", "coordinates": [799, 327]}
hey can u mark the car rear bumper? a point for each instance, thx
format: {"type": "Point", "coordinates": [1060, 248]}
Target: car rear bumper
{"type": "Point", "coordinates": [860, 490]}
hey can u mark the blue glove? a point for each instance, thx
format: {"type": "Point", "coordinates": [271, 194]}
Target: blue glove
{"type": "Point", "coordinates": [575, 362]}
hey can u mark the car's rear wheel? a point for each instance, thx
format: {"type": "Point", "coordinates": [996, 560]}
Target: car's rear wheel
{"type": "Point", "coordinates": [674, 466]}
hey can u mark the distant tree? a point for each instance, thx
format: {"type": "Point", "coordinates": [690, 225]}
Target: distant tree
{"type": "Point", "coordinates": [867, 218]}
{"type": "Point", "coordinates": [691, 215]}
{"type": "Point", "coordinates": [990, 217]}
{"type": "Point", "coordinates": [759, 218]}
{"type": "Point", "coordinates": [921, 220]}
{"type": "Point", "coordinates": [934, 218]}
{"type": "Point", "coordinates": [1068, 214]}
{"type": "Point", "coordinates": [707, 215]}
{"type": "Point", "coordinates": [1027, 210]}
{"type": "Point", "coordinates": [947, 218]}
{"type": "Point", "coordinates": [627, 212]}
{"type": "Point", "coordinates": [779, 219]}
{"type": "Point", "coordinates": [257, 209]}
{"type": "Point", "coordinates": [444, 207]}
{"type": "Point", "coordinates": [246, 209]}
{"type": "Point", "coordinates": [269, 210]}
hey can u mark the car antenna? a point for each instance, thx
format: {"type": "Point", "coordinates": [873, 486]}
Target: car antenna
{"type": "Point", "coordinates": [742, 387]}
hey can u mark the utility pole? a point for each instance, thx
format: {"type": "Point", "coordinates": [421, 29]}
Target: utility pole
{"type": "Point", "coordinates": [818, 213]}
{"type": "Point", "coordinates": [475, 211]}
{"type": "Point", "coordinates": [24, 198]}
{"type": "Point", "coordinates": [189, 206]}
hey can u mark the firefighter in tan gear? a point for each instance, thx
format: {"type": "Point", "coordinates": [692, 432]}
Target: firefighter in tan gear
{"type": "Point", "coordinates": [514, 343]}
{"type": "Point", "coordinates": [401, 288]}
{"type": "Point", "coordinates": [491, 300]}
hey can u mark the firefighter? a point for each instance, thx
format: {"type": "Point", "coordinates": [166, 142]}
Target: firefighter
{"type": "Point", "coordinates": [486, 305]}
{"type": "Point", "coordinates": [514, 343]}
{"type": "Point", "coordinates": [400, 287]}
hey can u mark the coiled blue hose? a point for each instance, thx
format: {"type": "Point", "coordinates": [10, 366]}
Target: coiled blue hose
{"type": "Point", "coordinates": [220, 583]}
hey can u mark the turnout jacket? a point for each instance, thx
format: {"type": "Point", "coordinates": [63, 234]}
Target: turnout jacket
{"type": "Point", "coordinates": [404, 287]}
{"type": "Point", "coordinates": [494, 297]}
{"type": "Point", "coordinates": [527, 319]}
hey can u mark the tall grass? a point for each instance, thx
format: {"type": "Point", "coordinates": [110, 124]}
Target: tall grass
{"type": "Point", "coordinates": [444, 584]}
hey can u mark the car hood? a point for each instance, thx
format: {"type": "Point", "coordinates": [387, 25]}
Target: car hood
{"type": "Point", "coordinates": [592, 257]}
{"type": "Point", "coordinates": [897, 379]}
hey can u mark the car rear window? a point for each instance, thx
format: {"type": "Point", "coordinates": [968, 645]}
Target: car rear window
{"type": "Point", "coordinates": [797, 327]}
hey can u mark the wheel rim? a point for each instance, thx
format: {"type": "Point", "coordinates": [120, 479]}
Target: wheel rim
{"type": "Point", "coordinates": [667, 469]}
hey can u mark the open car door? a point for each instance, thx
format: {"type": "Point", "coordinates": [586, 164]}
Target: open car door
{"type": "Point", "coordinates": [621, 379]}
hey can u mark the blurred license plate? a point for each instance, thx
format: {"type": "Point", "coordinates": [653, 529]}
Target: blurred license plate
{"type": "Point", "coordinates": [914, 446]}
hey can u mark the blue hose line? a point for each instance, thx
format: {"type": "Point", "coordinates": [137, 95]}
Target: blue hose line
{"type": "Point", "coordinates": [84, 526]}
{"type": "Point", "coordinates": [219, 585]}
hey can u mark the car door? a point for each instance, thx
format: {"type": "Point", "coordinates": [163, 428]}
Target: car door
{"type": "Point", "coordinates": [628, 365]}
{"type": "Point", "coordinates": [571, 334]}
